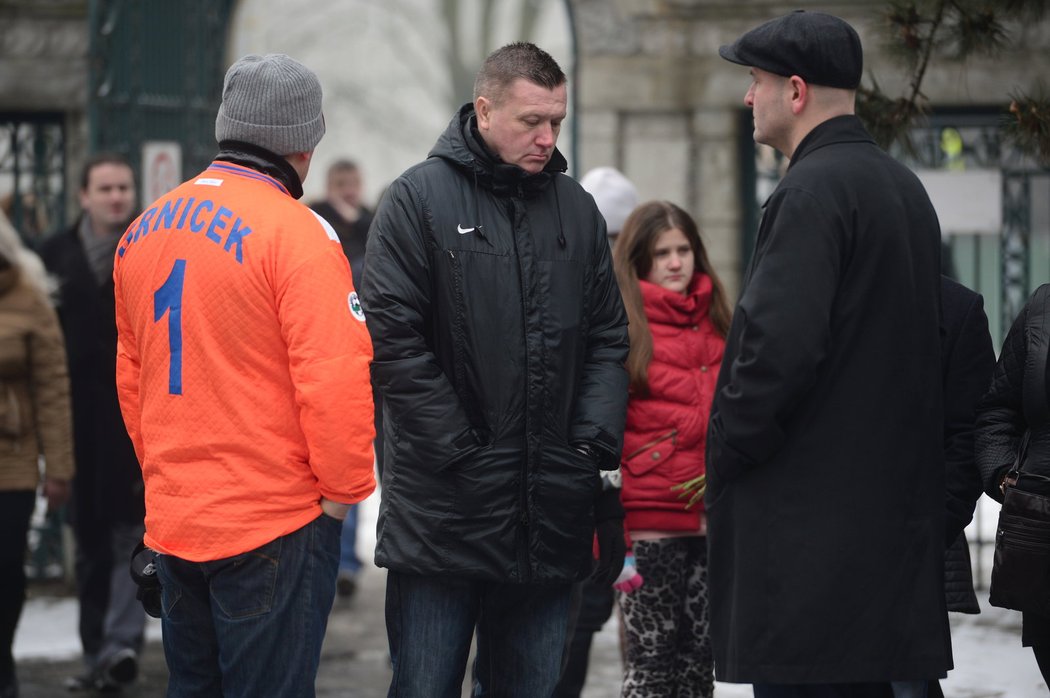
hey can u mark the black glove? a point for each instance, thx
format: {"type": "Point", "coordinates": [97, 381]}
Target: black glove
{"type": "Point", "coordinates": [608, 525]}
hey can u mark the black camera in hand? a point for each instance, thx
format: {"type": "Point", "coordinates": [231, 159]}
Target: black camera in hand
{"type": "Point", "coordinates": [144, 573]}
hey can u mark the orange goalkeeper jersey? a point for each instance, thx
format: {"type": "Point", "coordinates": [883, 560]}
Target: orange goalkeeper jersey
{"type": "Point", "coordinates": [242, 365]}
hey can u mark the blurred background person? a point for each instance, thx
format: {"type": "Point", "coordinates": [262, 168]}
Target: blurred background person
{"type": "Point", "coordinates": [350, 219]}
{"type": "Point", "coordinates": [678, 318]}
{"type": "Point", "coordinates": [614, 194]}
{"type": "Point", "coordinates": [108, 507]}
{"type": "Point", "coordinates": [34, 421]}
{"type": "Point", "coordinates": [344, 211]}
{"type": "Point", "coordinates": [1013, 428]}
{"type": "Point", "coordinates": [967, 360]}
{"type": "Point", "coordinates": [616, 197]}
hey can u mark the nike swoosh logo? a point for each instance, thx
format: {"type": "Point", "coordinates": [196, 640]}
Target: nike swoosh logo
{"type": "Point", "coordinates": [463, 231]}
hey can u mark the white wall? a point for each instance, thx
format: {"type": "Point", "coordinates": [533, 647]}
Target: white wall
{"type": "Point", "coordinates": [384, 70]}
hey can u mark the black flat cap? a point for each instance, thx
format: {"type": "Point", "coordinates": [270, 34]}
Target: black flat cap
{"type": "Point", "coordinates": [819, 48]}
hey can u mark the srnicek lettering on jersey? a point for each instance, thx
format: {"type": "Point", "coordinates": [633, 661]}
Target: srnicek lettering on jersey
{"type": "Point", "coordinates": [192, 215]}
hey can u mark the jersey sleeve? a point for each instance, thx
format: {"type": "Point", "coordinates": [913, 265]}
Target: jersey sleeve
{"type": "Point", "coordinates": [329, 353]}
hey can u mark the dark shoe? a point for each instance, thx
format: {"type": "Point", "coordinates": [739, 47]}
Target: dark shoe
{"type": "Point", "coordinates": [81, 682]}
{"type": "Point", "coordinates": [91, 682]}
{"type": "Point", "coordinates": [121, 668]}
{"type": "Point", "coordinates": [345, 585]}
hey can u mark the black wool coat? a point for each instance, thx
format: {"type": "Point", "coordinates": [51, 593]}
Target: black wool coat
{"type": "Point", "coordinates": [968, 359]}
{"type": "Point", "coordinates": [825, 463]}
{"type": "Point", "coordinates": [500, 339]}
{"type": "Point", "coordinates": [107, 486]}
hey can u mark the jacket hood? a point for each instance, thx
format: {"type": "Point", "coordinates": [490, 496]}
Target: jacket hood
{"type": "Point", "coordinates": [462, 146]}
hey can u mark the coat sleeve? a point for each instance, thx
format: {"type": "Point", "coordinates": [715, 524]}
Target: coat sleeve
{"type": "Point", "coordinates": [50, 391]}
{"type": "Point", "coordinates": [601, 405]}
{"type": "Point", "coordinates": [427, 419]}
{"type": "Point", "coordinates": [328, 356]}
{"type": "Point", "coordinates": [1001, 422]}
{"type": "Point", "coordinates": [780, 335]}
{"type": "Point", "coordinates": [967, 370]}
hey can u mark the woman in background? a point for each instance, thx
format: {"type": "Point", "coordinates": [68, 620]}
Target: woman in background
{"type": "Point", "coordinates": [34, 421]}
{"type": "Point", "coordinates": [678, 318]}
{"type": "Point", "coordinates": [1013, 431]}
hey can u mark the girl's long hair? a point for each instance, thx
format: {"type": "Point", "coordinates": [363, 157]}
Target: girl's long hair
{"type": "Point", "coordinates": [13, 252]}
{"type": "Point", "coordinates": [633, 259]}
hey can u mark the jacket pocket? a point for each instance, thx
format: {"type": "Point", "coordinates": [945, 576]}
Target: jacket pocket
{"type": "Point", "coordinates": [11, 425]}
{"type": "Point", "coordinates": [652, 454]}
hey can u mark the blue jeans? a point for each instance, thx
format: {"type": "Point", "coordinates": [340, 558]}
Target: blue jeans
{"type": "Point", "coordinates": [251, 624]}
{"type": "Point", "coordinates": [348, 559]}
{"type": "Point", "coordinates": [521, 636]}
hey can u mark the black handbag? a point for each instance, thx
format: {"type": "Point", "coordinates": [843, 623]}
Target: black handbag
{"type": "Point", "coordinates": [1021, 566]}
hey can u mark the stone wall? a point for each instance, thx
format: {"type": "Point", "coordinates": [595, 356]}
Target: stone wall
{"type": "Point", "coordinates": [44, 68]}
{"type": "Point", "coordinates": [654, 98]}
{"type": "Point", "coordinates": [657, 102]}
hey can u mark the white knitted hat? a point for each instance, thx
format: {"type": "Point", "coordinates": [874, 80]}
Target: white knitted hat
{"type": "Point", "coordinates": [271, 101]}
{"type": "Point", "coordinates": [615, 195]}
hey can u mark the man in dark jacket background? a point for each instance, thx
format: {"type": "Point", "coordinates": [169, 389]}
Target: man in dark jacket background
{"type": "Point", "coordinates": [108, 507]}
{"type": "Point", "coordinates": [967, 359]}
{"type": "Point", "coordinates": [826, 484]}
{"type": "Point", "coordinates": [499, 339]}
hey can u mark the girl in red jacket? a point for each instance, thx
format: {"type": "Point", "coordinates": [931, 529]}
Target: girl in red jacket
{"type": "Point", "coordinates": [678, 322]}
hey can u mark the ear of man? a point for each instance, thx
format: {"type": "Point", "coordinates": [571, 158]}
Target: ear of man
{"type": "Point", "coordinates": [483, 110]}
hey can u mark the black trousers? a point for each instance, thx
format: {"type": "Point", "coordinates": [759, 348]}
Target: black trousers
{"type": "Point", "coordinates": [16, 508]}
{"type": "Point", "coordinates": [592, 606]}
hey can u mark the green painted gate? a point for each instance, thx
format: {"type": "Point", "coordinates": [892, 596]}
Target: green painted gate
{"type": "Point", "coordinates": [155, 75]}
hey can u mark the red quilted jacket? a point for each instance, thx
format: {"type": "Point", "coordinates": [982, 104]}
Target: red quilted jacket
{"type": "Point", "coordinates": [667, 429]}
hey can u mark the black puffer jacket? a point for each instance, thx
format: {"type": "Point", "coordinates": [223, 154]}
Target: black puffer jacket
{"type": "Point", "coordinates": [499, 339]}
{"type": "Point", "coordinates": [1016, 400]}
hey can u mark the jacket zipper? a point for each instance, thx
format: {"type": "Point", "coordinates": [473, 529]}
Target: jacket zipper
{"type": "Point", "coordinates": [523, 549]}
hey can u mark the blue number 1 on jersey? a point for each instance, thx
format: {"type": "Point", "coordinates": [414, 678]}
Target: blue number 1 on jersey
{"type": "Point", "coordinates": [168, 299]}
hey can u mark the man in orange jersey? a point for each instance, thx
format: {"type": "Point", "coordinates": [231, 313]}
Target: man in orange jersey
{"type": "Point", "coordinates": [243, 377]}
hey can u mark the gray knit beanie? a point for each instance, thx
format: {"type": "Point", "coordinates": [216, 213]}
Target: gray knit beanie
{"type": "Point", "coordinates": [271, 101]}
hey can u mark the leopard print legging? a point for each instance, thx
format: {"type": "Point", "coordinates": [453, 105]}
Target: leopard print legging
{"type": "Point", "coordinates": [666, 622]}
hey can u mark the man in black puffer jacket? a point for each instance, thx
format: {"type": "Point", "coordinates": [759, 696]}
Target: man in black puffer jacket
{"type": "Point", "coordinates": [499, 339]}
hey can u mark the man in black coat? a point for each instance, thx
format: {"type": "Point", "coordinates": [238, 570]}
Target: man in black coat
{"type": "Point", "coordinates": [500, 340]}
{"type": "Point", "coordinates": [826, 489]}
{"type": "Point", "coordinates": [968, 359]}
{"type": "Point", "coordinates": [108, 506]}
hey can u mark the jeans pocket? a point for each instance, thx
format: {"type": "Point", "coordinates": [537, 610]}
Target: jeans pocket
{"type": "Point", "coordinates": [245, 587]}
{"type": "Point", "coordinates": [170, 594]}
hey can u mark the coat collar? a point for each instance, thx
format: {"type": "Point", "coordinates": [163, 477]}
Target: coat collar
{"type": "Point", "coordinates": [462, 145]}
{"type": "Point", "coordinates": [262, 160]}
{"type": "Point", "coordinates": [672, 308]}
{"type": "Point", "coordinates": [840, 129]}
